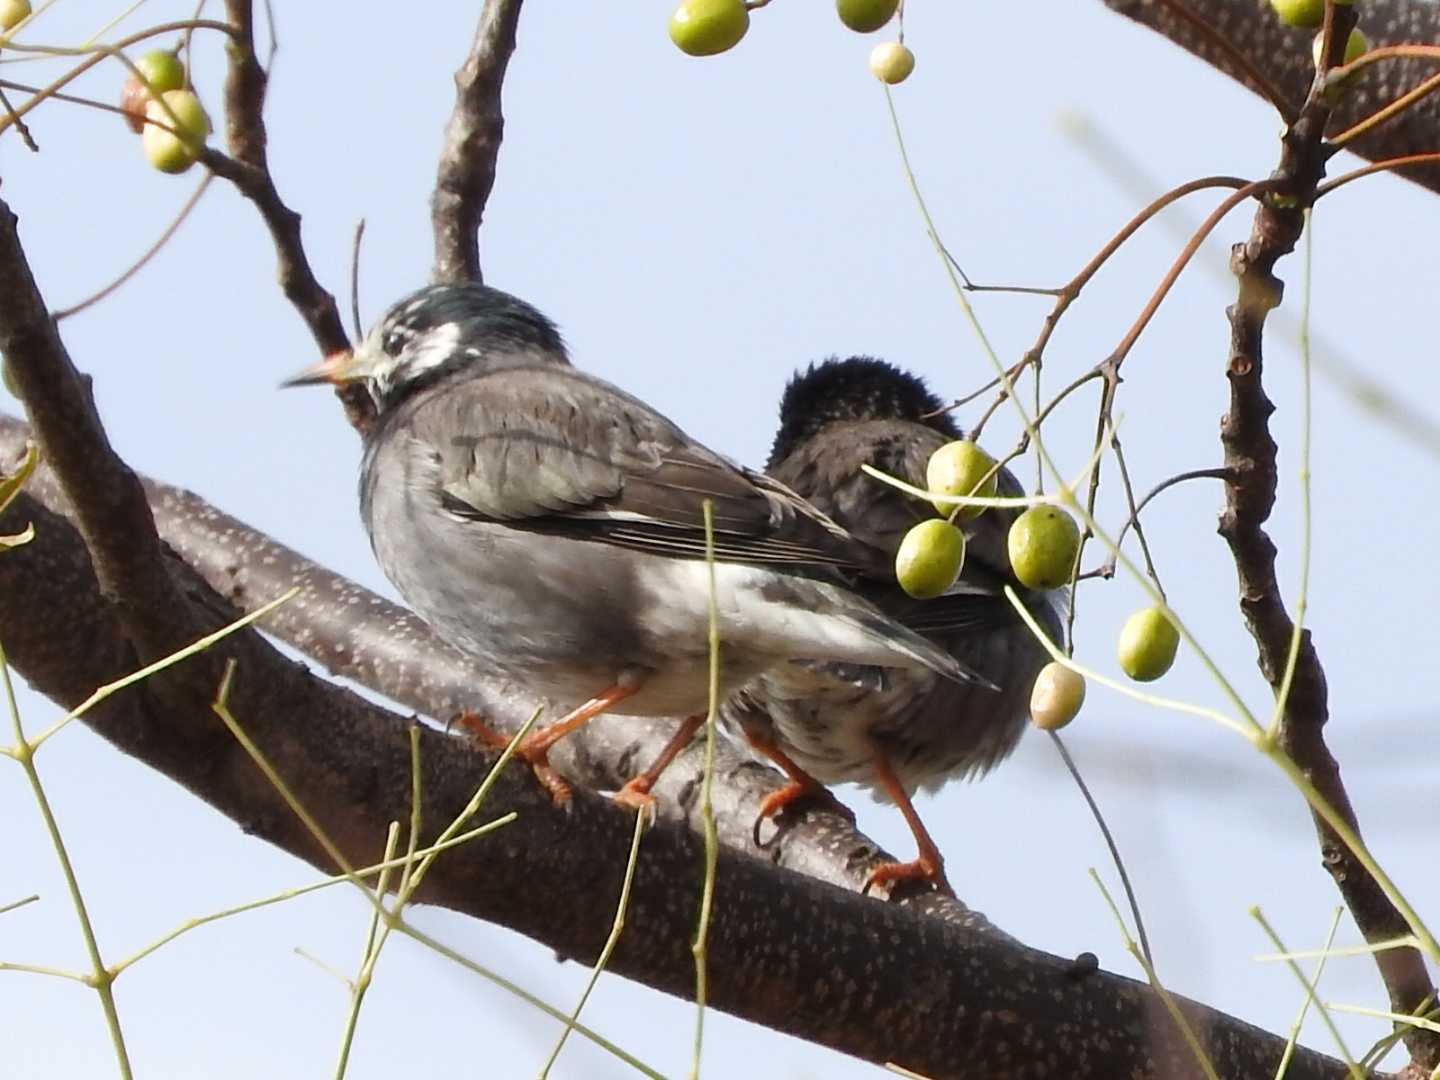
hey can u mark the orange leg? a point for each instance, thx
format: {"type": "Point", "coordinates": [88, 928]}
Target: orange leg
{"type": "Point", "coordinates": [801, 786]}
{"type": "Point", "coordinates": [535, 747]}
{"type": "Point", "coordinates": [930, 864]}
{"type": "Point", "coordinates": [635, 795]}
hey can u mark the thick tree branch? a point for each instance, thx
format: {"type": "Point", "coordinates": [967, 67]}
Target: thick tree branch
{"type": "Point", "coordinates": [872, 979]}
{"type": "Point", "coordinates": [110, 506]}
{"type": "Point", "coordinates": [1283, 54]}
{"type": "Point", "coordinates": [472, 144]}
{"type": "Point", "coordinates": [1250, 487]}
{"type": "Point", "coordinates": [361, 636]}
{"type": "Point", "coordinates": [248, 168]}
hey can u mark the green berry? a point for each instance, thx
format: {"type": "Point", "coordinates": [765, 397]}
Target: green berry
{"type": "Point", "coordinates": [1356, 45]}
{"type": "Point", "coordinates": [1043, 543]}
{"type": "Point", "coordinates": [1147, 645]}
{"type": "Point", "coordinates": [930, 558]}
{"type": "Point", "coordinates": [707, 27]}
{"type": "Point", "coordinates": [13, 13]}
{"type": "Point", "coordinates": [959, 467]}
{"type": "Point", "coordinates": [891, 62]}
{"type": "Point", "coordinates": [1056, 697]}
{"type": "Point", "coordinates": [1300, 12]}
{"type": "Point", "coordinates": [165, 150]}
{"type": "Point", "coordinates": [864, 16]}
{"type": "Point", "coordinates": [163, 71]}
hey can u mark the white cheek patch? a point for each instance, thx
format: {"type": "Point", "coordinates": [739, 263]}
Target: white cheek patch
{"type": "Point", "coordinates": [431, 349]}
{"type": "Point", "coordinates": [423, 352]}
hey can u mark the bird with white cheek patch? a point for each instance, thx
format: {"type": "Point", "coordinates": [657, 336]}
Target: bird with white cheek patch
{"type": "Point", "coordinates": [552, 527]}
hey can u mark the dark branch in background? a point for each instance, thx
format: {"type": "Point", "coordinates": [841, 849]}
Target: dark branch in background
{"type": "Point", "coordinates": [248, 168]}
{"type": "Point", "coordinates": [880, 981]}
{"type": "Point", "coordinates": [1250, 487]}
{"type": "Point", "coordinates": [1283, 55]}
{"type": "Point", "coordinates": [472, 144]}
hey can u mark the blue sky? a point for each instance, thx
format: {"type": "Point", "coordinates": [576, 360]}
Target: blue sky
{"type": "Point", "coordinates": [699, 228]}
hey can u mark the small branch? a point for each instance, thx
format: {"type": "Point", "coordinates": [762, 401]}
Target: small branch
{"type": "Point", "coordinates": [1194, 474]}
{"type": "Point", "coordinates": [355, 322]}
{"type": "Point", "coordinates": [1230, 202]}
{"type": "Point", "coordinates": [110, 506]}
{"type": "Point", "coordinates": [140, 263]}
{"type": "Point", "coordinates": [1068, 293]}
{"type": "Point", "coordinates": [1250, 490]}
{"type": "Point", "coordinates": [248, 168]}
{"type": "Point", "coordinates": [20, 126]}
{"type": "Point", "coordinates": [1431, 158]}
{"type": "Point", "coordinates": [472, 144]}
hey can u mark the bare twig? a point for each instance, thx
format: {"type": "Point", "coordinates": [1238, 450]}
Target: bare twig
{"type": "Point", "coordinates": [1108, 569]}
{"type": "Point", "coordinates": [20, 126]}
{"type": "Point", "coordinates": [139, 264]}
{"type": "Point", "coordinates": [355, 323]}
{"type": "Point", "coordinates": [248, 169]}
{"type": "Point", "coordinates": [472, 144]}
{"type": "Point", "coordinates": [1110, 843]}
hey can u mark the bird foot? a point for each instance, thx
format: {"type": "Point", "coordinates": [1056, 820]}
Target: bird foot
{"type": "Point", "coordinates": [807, 791]}
{"type": "Point", "coordinates": [923, 869]}
{"type": "Point", "coordinates": [635, 795]}
{"type": "Point", "coordinates": [474, 725]}
{"type": "Point", "coordinates": [534, 750]}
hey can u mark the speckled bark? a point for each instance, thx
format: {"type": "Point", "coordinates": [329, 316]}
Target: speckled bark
{"type": "Point", "coordinates": [877, 980]}
{"type": "Point", "coordinates": [1283, 54]}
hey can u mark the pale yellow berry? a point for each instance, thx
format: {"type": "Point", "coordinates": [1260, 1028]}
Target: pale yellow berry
{"type": "Point", "coordinates": [175, 151]}
{"type": "Point", "coordinates": [891, 62]}
{"type": "Point", "coordinates": [1056, 697]}
{"type": "Point", "coordinates": [13, 13]}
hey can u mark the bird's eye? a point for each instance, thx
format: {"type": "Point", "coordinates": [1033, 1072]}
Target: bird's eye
{"type": "Point", "coordinates": [394, 340]}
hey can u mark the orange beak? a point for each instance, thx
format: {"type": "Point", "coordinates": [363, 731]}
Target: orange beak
{"type": "Point", "coordinates": [337, 368]}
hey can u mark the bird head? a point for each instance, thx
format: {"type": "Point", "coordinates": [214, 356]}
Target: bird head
{"type": "Point", "coordinates": [860, 388]}
{"type": "Point", "coordinates": [435, 332]}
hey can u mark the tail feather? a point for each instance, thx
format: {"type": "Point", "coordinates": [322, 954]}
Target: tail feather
{"type": "Point", "coordinates": [925, 652]}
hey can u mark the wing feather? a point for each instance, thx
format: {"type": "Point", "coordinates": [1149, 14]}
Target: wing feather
{"type": "Point", "coordinates": [552, 450]}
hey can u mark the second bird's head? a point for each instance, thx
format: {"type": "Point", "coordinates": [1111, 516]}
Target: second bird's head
{"type": "Point", "coordinates": [436, 332]}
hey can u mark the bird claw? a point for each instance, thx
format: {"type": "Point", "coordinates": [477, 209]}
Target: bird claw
{"type": "Point", "coordinates": [923, 869]}
{"type": "Point", "coordinates": [474, 725]}
{"type": "Point", "coordinates": [635, 795]}
{"type": "Point", "coordinates": [533, 753]}
{"type": "Point", "coordinates": [780, 802]}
